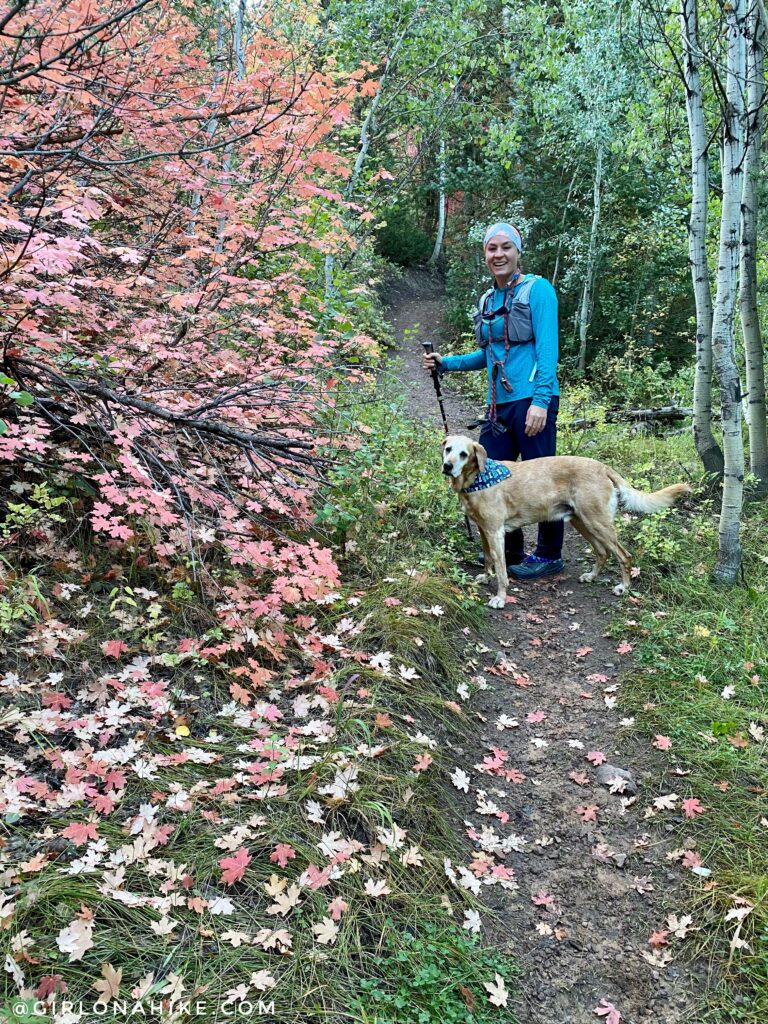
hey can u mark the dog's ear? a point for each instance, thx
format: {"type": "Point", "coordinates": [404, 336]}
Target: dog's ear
{"type": "Point", "coordinates": [481, 455]}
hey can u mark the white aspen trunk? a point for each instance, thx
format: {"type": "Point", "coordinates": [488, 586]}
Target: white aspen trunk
{"type": "Point", "coordinates": [239, 48]}
{"type": "Point", "coordinates": [366, 133]}
{"type": "Point", "coordinates": [750, 323]}
{"type": "Point", "coordinates": [706, 445]}
{"type": "Point", "coordinates": [210, 128]}
{"type": "Point", "coordinates": [440, 207]}
{"type": "Point", "coordinates": [585, 311]}
{"type": "Point", "coordinates": [556, 271]}
{"type": "Point", "coordinates": [723, 346]}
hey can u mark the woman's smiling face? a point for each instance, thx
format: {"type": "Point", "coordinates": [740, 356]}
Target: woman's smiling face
{"type": "Point", "coordinates": [501, 257]}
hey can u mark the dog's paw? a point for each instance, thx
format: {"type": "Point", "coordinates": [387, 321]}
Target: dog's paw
{"type": "Point", "coordinates": [587, 577]}
{"type": "Point", "coordinates": [482, 578]}
{"type": "Point", "coordinates": [619, 590]}
{"type": "Point", "coordinates": [497, 601]}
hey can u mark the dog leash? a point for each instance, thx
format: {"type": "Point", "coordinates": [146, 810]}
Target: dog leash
{"type": "Point", "coordinates": [428, 349]}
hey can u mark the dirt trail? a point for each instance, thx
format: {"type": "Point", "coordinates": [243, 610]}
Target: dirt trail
{"type": "Point", "coordinates": [601, 887]}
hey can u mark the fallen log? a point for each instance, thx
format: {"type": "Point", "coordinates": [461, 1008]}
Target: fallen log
{"type": "Point", "coordinates": [666, 413]}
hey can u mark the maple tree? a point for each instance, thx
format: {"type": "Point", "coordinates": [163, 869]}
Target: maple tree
{"type": "Point", "coordinates": [160, 346]}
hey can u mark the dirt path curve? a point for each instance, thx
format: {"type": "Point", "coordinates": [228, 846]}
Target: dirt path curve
{"type": "Point", "coordinates": [590, 892]}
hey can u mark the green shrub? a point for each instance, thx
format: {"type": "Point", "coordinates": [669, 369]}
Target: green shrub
{"type": "Point", "coordinates": [402, 240]}
{"type": "Point", "coordinates": [435, 976]}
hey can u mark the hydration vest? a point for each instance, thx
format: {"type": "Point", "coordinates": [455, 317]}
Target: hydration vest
{"type": "Point", "coordinates": [517, 310]}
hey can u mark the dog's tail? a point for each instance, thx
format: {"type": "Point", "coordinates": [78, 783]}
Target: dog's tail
{"type": "Point", "coordinates": [639, 501]}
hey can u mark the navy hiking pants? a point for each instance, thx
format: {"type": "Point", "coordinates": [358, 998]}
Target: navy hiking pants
{"type": "Point", "coordinates": [509, 444]}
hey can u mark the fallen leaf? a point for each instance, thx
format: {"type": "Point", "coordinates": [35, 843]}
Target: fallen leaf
{"type": "Point", "coordinates": [108, 985]}
{"type": "Point", "coordinates": [609, 1011]}
{"type": "Point", "coordinates": [468, 996]}
{"type": "Point", "coordinates": [692, 807]}
{"type": "Point", "coordinates": [326, 931]}
{"type": "Point", "coordinates": [497, 991]}
{"type": "Point", "coordinates": [580, 778]}
{"type": "Point", "coordinates": [587, 812]}
{"type": "Point", "coordinates": [233, 868]}
{"type": "Point", "coordinates": [666, 801]}
{"type": "Point", "coordinates": [76, 939]}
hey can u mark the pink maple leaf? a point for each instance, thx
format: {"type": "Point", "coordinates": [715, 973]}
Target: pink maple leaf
{"type": "Point", "coordinates": [80, 832]}
{"type": "Point", "coordinates": [662, 742]}
{"type": "Point", "coordinates": [422, 762]}
{"type": "Point", "coordinates": [691, 859]}
{"type": "Point", "coordinates": [318, 879]}
{"type": "Point", "coordinates": [596, 757]}
{"type": "Point", "coordinates": [543, 899]}
{"type": "Point", "coordinates": [624, 647]}
{"type": "Point", "coordinates": [114, 648]}
{"type": "Point", "coordinates": [609, 1011]}
{"type": "Point", "coordinates": [337, 907]}
{"type": "Point", "coordinates": [233, 868]}
{"type": "Point", "coordinates": [692, 807]}
{"type": "Point", "coordinates": [597, 677]}
{"type": "Point", "coordinates": [582, 652]}
{"type": "Point", "coordinates": [587, 812]}
{"type": "Point", "coordinates": [49, 985]}
{"type": "Point", "coordinates": [281, 854]}
{"type": "Point", "coordinates": [580, 778]}
{"type": "Point", "coordinates": [535, 716]}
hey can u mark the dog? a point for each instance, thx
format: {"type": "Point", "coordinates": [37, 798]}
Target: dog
{"type": "Point", "coordinates": [581, 491]}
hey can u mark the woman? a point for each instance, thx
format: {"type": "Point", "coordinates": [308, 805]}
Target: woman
{"type": "Point", "coordinates": [516, 332]}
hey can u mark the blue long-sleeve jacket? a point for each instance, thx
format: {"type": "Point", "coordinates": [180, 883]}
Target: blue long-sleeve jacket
{"type": "Point", "coordinates": [530, 368]}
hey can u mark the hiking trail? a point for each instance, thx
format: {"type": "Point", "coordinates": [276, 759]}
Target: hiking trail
{"type": "Point", "coordinates": [590, 893]}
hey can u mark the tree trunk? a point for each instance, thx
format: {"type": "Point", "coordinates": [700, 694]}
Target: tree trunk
{"type": "Point", "coordinates": [706, 445]}
{"type": "Point", "coordinates": [750, 323]}
{"type": "Point", "coordinates": [366, 134]}
{"type": "Point", "coordinates": [723, 347]}
{"type": "Point", "coordinates": [566, 207]}
{"type": "Point", "coordinates": [239, 47]}
{"type": "Point", "coordinates": [210, 128]}
{"type": "Point", "coordinates": [585, 312]}
{"type": "Point", "coordinates": [440, 209]}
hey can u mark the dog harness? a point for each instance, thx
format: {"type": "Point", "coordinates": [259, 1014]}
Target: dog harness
{"type": "Point", "coordinates": [493, 474]}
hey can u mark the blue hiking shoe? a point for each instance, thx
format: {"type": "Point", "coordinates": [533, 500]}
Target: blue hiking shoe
{"type": "Point", "coordinates": [534, 567]}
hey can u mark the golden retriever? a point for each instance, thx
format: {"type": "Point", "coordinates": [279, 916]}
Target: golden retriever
{"type": "Point", "coordinates": [581, 491]}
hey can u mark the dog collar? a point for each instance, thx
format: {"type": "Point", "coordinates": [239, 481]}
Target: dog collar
{"type": "Point", "coordinates": [493, 473]}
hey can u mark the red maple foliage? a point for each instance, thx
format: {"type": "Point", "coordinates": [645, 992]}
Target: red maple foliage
{"type": "Point", "coordinates": [165, 189]}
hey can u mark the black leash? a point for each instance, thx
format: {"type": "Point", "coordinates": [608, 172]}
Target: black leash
{"type": "Point", "coordinates": [429, 348]}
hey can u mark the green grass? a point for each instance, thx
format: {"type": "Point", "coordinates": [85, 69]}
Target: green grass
{"type": "Point", "coordinates": [691, 640]}
{"type": "Point", "coordinates": [399, 960]}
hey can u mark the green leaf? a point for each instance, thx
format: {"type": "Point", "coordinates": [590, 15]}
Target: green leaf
{"type": "Point", "coordinates": [23, 398]}
{"type": "Point", "coordinates": [723, 728]}
{"type": "Point", "coordinates": [3, 427]}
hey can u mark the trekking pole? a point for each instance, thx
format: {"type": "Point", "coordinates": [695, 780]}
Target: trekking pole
{"type": "Point", "coordinates": [429, 348]}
